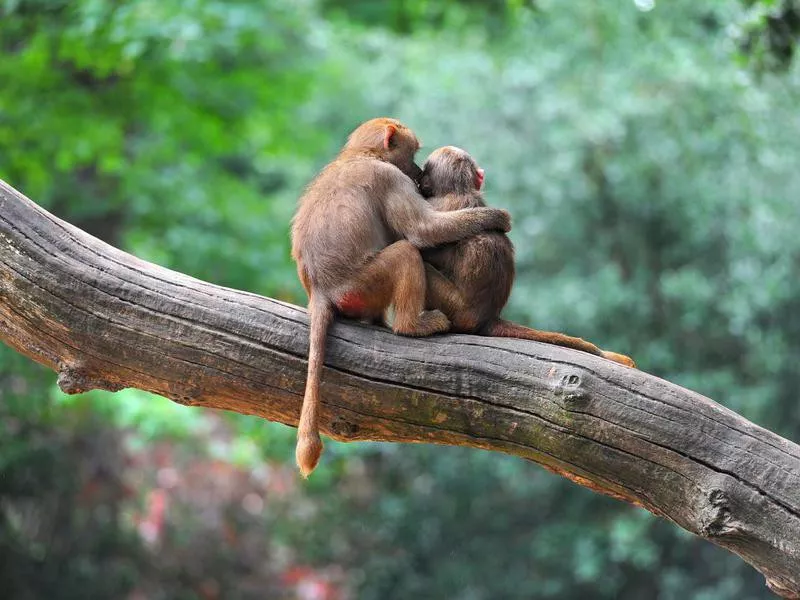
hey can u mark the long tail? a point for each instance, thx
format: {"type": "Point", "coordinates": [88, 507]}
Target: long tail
{"type": "Point", "coordinates": [309, 444]}
{"type": "Point", "coordinates": [503, 328]}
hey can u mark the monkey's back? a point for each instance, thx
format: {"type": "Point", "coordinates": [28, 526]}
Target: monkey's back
{"type": "Point", "coordinates": [481, 266]}
{"type": "Point", "coordinates": [336, 228]}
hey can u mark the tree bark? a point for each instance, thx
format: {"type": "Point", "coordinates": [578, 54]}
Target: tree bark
{"type": "Point", "coordinates": [104, 319]}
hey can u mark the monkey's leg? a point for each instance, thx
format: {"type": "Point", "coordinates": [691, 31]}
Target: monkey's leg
{"type": "Point", "coordinates": [444, 295]}
{"type": "Point", "coordinates": [441, 293]}
{"type": "Point", "coordinates": [304, 278]}
{"type": "Point", "coordinates": [396, 276]}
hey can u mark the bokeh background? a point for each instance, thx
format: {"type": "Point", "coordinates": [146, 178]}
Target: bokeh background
{"type": "Point", "coordinates": [649, 153]}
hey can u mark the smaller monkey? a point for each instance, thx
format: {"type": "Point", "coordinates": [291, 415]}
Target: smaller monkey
{"type": "Point", "coordinates": [470, 280]}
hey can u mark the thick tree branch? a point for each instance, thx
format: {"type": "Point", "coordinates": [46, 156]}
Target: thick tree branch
{"type": "Point", "coordinates": [104, 319]}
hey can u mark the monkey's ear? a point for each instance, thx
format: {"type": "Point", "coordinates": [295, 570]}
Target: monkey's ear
{"type": "Point", "coordinates": [479, 179]}
{"type": "Point", "coordinates": [387, 136]}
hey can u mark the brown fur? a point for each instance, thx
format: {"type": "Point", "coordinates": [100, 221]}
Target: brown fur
{"type": "Point", "coordinates": [356, 237]}
{"type": "Point", "coordinates": [470, 280]}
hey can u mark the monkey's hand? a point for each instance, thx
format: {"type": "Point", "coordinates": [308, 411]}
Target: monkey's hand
{"type": "Point", "coordinates": [495, 219]}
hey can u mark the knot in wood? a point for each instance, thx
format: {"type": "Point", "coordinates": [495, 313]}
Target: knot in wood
{"type": "Point", "coordinates": [721, 521]}
{"type": "Point", "coordinates": [571, 390]}
{"type": "Point", "coordinates": [343, 429]}
{"type": "Point", "coordinates": [79, 380]}
{"type": "Point", "coordinates": [186, 396]}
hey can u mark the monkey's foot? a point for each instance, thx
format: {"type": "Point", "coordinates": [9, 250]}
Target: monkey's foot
{"type": "Point", "coordinates": [620, 358]}
{"type": "Point", "coordinates": [428, 323]}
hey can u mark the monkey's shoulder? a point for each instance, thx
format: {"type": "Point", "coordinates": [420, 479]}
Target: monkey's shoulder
{"type": "Point", "coordinates": [490, 248]}
{"type": "Point", "coordinates": [364, 170]}
{"type": "Point", "coordinates": [349, 183]}
{"type": "Point", "coordinates": [489, 240]}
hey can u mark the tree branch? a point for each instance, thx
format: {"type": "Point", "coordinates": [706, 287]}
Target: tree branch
{"type": "Point", "coordinates": [104, 319]}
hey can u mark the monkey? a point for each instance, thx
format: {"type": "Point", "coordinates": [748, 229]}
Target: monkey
{"type": "Point", "coordinates": [470, 280]}
{"type": "Point", "coordinates": [356, 238]}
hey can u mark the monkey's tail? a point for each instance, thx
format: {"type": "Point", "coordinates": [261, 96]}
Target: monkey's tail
{"type": "Point", "coordinates": [309, 444]}
{"type": "Point", "coordinates": [503, 328]}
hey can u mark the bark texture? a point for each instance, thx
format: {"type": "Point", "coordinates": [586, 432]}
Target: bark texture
{"type": "Point", "coordinates": [104, 319]}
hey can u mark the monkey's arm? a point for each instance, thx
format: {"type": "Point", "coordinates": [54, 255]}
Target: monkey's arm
{"type": "Point", "coordinates": [436, 228]}
{"type": "Point", "coordinates": [453, 202]}
{"type": "Point", "coordinates": [410, 216]}
{"type": "Point", "coordinates": [447, 203]}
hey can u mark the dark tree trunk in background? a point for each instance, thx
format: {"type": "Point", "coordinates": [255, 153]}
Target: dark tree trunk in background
{"type": "Point", "coordinates": [104, 319]}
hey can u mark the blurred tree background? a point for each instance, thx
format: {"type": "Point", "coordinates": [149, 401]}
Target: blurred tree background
{"type": "Point", "coordinates": [649, 153]}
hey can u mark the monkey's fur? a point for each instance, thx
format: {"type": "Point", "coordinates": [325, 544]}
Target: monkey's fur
{"type": "Point", "coordinates": [470, 280]}
{"type": "Point", "coordinates": [356, 237]}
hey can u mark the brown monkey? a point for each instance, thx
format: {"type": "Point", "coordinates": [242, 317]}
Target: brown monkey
{"type": "Point", "coordinates": [470, 280]}
{"type": "Point", "coordinates": [356, 237]}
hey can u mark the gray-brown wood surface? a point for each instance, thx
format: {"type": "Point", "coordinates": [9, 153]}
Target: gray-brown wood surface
{"type": "Point", "coordinates": [104, 319]}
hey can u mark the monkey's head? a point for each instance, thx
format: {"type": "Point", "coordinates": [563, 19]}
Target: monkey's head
{"type": "Point", "coordinates": [450, 170]}
{"type": "Point", "coordinates": [389, 140]}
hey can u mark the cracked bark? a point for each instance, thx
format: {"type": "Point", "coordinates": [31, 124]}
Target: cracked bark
{"type": "Point", "coordinates": [104, 319]}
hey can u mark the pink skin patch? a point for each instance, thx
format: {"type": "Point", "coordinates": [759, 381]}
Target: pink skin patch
{"type": "Point", "coordinates": [387, 137]}
{"type": "Point", "coordinates": [352, 304]}
{"type": "Point", "coordinates": [479, 179]}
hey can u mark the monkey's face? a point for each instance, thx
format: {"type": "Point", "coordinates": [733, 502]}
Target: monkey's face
{"type": "Point", "coordinates": [402, 146]}
{"type": "Point", "coordinates": [450, 170]}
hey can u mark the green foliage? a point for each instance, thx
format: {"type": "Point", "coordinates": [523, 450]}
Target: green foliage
{"type": "Point", "coordinates": [406, 16]}
{"type": "Point", "coordinates": [70, 542]}
{"type": "Point", "coordinates": [150, 418]}
{"type": "Point", "coordinates": [653, 183]}
{"type": "Point", "coordinates": [769, 33]}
